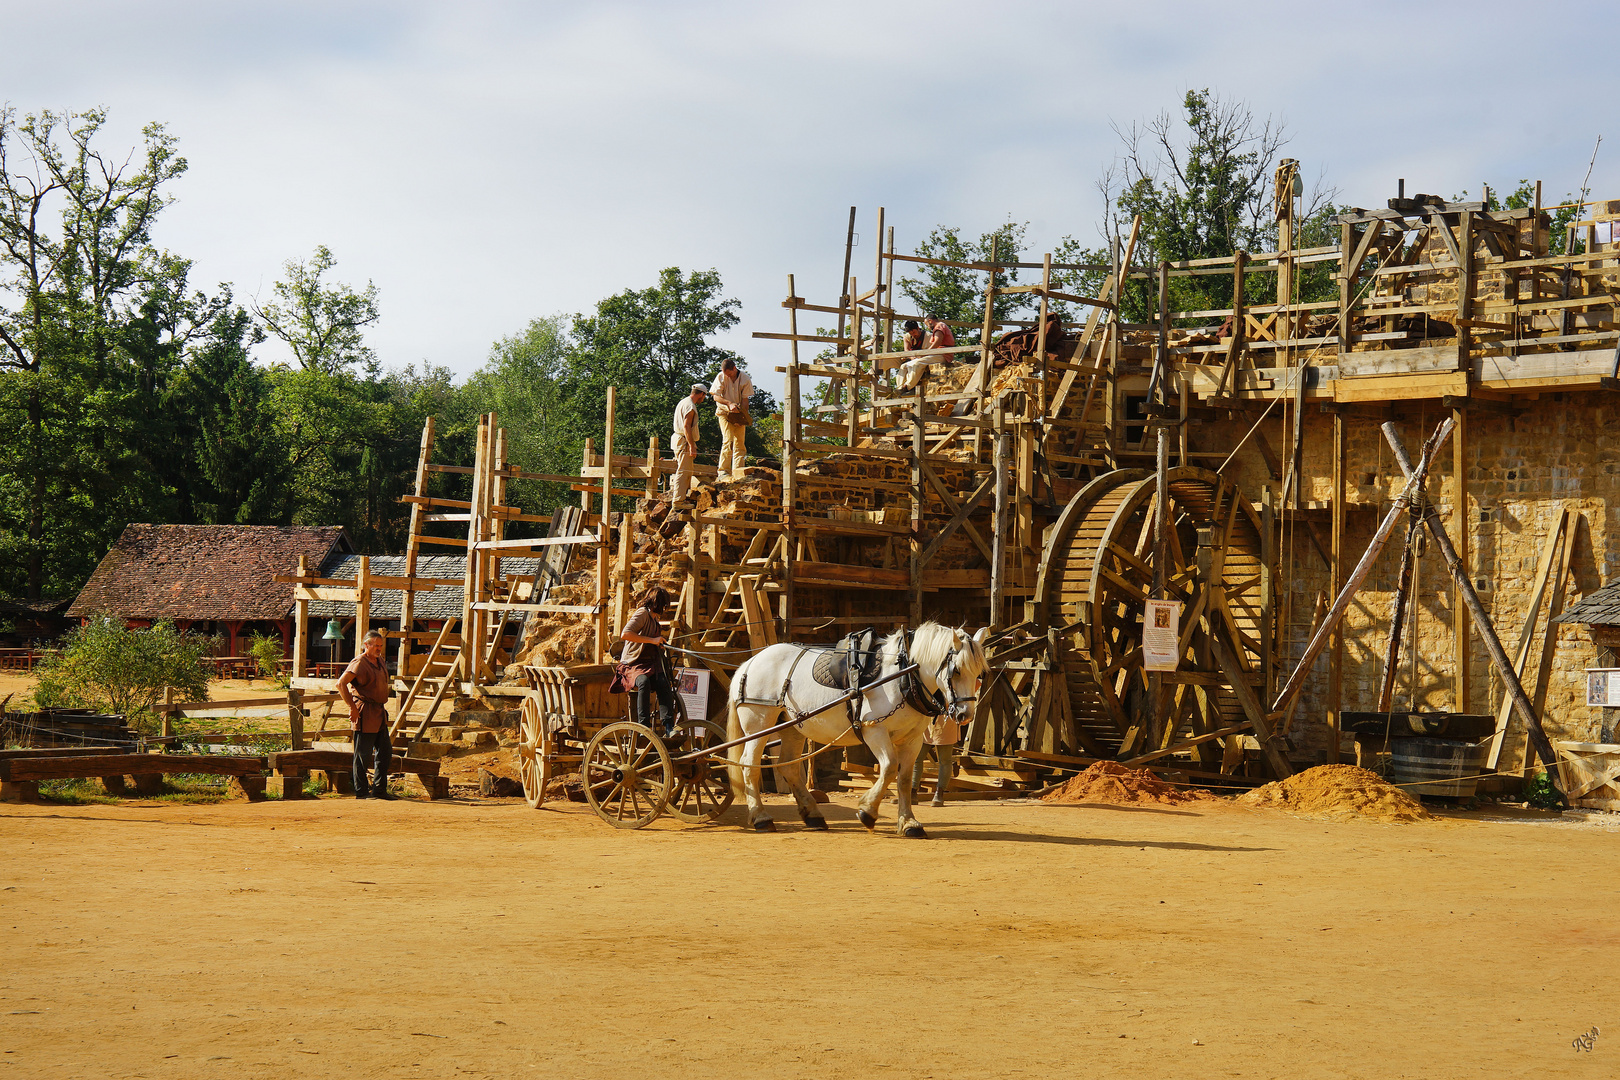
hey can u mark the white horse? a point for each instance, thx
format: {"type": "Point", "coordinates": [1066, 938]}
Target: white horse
{"type": "Point", "coordinates": [893, 716]}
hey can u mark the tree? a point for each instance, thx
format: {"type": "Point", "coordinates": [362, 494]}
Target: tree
{"type": "Point", "coordinates": [1202, 185]}
{"type": "Point", "coordinates": [77, 268]}
{"type": "Point", "coordinates": [956, 294]}
{"type": "Point", "coordinates": [323, 324]}
{"type": "Point", "coordinates": [522, 384]}
{"type": "Point", "coordinates": [651, 345]}
{"type": "Point", "coordinates": [240, 471]}
{"type": "Point", "coordinates": [106, 667]}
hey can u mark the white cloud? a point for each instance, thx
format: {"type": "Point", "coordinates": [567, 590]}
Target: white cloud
{"type": "Point", "coordinates": [486, 163]}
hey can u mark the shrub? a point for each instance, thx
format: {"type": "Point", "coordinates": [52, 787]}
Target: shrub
{"type": "Point", "coordinates": [107, 668]}
{"type": "Point", "coordinates": [267, 651]}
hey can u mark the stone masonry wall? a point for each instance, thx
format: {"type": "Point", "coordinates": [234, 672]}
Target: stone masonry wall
{"type": "Point", "coordinates": [1561, 451]}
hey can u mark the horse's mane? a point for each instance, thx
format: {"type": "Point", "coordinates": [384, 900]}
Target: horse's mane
{"type": "Point", "coordinates": [932, 642]}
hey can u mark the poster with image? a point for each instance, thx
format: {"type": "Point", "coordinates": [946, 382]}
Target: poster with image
{"type": "Point", "coordinates": [1161, 628]}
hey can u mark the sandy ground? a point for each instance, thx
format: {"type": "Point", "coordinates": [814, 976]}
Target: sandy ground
{"type": "Point", "coordinates": [22, 685]}
{"type": "Point", "coordinates": [415, 939]}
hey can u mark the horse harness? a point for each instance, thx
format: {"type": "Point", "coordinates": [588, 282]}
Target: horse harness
{"type": "Point", "coordinates": [853, 663]}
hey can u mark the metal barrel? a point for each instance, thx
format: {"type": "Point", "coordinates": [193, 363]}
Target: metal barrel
{"type": "Point", "coordinates": [1436, 766]}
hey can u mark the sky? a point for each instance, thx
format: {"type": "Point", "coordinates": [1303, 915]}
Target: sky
{"type": "Point", "coordinates": [486, 163]}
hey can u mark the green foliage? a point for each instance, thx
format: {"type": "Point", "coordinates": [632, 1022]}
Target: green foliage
{"type": "Point", "coordinates": [267, 651]}
{"type": "Point", "coordinates": [956, 294]}
{"type": "Point", "coordinates": [93, 319]}
{"type": "Point", "coordinates": [322, 323]}
{"type": "Point", "coordinates": [1557, 235]}
{"type": "Point", "coordinates": [1541, 793]}
{"type": "Point", "coordinates": [107, 668]}
{"type": "Point", "coordinates": [1202, 184]}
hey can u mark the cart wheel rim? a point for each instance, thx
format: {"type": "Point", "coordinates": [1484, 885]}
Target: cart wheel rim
{"type": "Point", "coordinates": [628, 775]}
{"type": "Point", "coordinates": [702, 788]}
{"type": "Point", "coordinates": [531, 754]}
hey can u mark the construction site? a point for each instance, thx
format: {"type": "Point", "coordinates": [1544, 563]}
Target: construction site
{"type": "Point", "coordinates": [1296, 722]}
{"type": "Point", "coordinates": [1052, 480]}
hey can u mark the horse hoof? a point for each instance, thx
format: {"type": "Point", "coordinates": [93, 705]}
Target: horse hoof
{"type": "Point", "coordinates": [915, 833]}
{"type": "Point", "coordinates": [866, 819]}
{"type": "Point", "coordinates": [766, 825]}
{"type": "Point", "coordinates": [816, 824]}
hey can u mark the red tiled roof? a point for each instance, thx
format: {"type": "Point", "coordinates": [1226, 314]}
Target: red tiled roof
{"type": "Point", "coordinates": [203, 571]}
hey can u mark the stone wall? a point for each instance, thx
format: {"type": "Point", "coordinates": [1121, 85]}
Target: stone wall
{"type": "Point", "coordinates": [1561, 451]}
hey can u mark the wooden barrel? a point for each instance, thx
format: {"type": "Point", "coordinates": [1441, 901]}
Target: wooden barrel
{"type": "Point", "coordinates": [1437, 766]}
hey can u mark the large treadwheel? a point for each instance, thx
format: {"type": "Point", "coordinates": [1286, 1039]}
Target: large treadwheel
{"type": "Point", "coordinates": [1095, 575]}
{"type": "Point", "coordinates": [628, 775]}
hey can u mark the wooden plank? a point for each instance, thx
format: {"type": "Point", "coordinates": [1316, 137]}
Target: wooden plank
{"type": "Point", "coordinates": [62, 768]}
{"type": "Point", "coordinates": [1400, 387]}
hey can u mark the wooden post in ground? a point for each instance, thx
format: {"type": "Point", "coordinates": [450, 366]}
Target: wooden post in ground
{"type": "Point", "coordinates": [587, 458]}
{"type": "Point", "coordinates": [1336, 551]}
{"type": "Point", "coordinates": [1157, 699]}
{"type": "Point", "coordinates": [295, 718]}
{"type": "Point", "coordinates": [621, 592]}
{"type": "Point", "coordinates": [168, 717]}
{"type": "Point", "coordinates": [300, 657]}
{"type": "Point", "coordinates": [1460, 512]}
{"type": "Point", "coordinates": [1482, 618]}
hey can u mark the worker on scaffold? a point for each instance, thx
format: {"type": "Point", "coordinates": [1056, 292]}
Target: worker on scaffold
{"type": "Point", "coordinates": [731, 390]}
{"type": "Point", "coordinates": [684, 439]}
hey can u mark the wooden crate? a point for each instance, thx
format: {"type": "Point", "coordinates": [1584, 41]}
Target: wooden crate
{"type": "Point", "coordinates": [1589, 773]}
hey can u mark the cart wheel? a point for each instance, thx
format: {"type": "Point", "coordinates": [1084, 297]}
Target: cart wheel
{"type": "Point", "coordinates": [532, 764]}
{"type": "Point", "coordinates": [702, 787]}
{"type": "Point", "coordinates": [628, 775]}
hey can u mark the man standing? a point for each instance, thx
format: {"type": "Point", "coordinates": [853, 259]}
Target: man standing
{"type": "Point", "coordinates": [732, 388]}
{"type": "Point", "coordinates": [367, 677]}
{"type": "Point", "coordinates": [683, 440]}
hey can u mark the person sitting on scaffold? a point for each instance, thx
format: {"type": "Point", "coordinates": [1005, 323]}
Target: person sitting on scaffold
{"type": "Point", "coordinates": [641, 664]}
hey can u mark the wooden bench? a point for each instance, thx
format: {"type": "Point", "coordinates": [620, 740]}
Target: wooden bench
{"type": "Point", "coordinates": [290, 767]}
{"type": "Point", "coordinates": [20, 776]}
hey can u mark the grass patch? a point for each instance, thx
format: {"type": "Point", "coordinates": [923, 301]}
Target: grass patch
{"type": "Point", "coordinates": [76, 791]}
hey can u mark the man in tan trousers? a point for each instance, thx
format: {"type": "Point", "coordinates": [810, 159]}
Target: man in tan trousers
{"type": "Point", "coordinates": [731, 390]}
{"type": "Point", "coordinates": [684, 439]}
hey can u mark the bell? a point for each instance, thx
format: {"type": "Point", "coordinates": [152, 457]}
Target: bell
{"type": "Point", "coordinates": [334, 631]}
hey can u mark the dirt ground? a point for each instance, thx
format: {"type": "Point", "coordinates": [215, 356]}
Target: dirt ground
{"type": "Point", "coordinates": [414, 939]}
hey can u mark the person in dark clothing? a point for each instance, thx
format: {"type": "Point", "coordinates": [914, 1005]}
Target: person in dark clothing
{"type": "Point", "coordinates": [641, 664]}
{"type": "Point", "coordinates": [364, 689]}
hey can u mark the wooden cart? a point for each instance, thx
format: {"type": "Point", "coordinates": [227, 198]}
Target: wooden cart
{"type": "Point", "coordinates": [571, 723]}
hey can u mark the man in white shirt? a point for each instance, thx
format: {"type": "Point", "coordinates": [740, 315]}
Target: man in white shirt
{"type": "Point", "coordinates": [683, 440]}
{"type": "Point", "coordinates": [731, 390]}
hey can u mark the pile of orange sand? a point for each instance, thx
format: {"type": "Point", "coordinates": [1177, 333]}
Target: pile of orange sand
{"type": "Point", "coordinates": [1338, 791]}
{"type": "Point", "coordinates": [1111, 782]}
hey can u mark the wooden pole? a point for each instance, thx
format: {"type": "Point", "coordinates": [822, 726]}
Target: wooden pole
{"type": "Point", "coordinates": [853, 412]}
{"type": "Point", "coordinates": [362, 603]}
{"type": "Point", "coordinates": [295, 718]}
{"type": "Point", "coordinates": [1397, 620]}
{"type": "Point", "coordinates": [607, 451]}
{"type": "Point", "coordinates": [1459, 613]}
{"type": "Point", "coordinates": [1341, 602]}
{"type": "Point", "coordinates": [1482, 618]}
{"type": "Point", "coordinates": [790, 457]}
{"type": "Point", "coordinates": [984, 349]}
{"type": "Point", "coordinates": [300, 657]}
{"type": "Point", "coordinates": [1161, 553]}
{"type": "Point", "coordinates": [603, 530]}
{"type": "Point", "coordinates": [998, 543]}
{"type": "Point", "coordinates": [1336, 551]}
{"type": "Point", "coordinates": [1528, 631]}
{"type": "Point", "coordinates": [407, 602]}
{"type": "Point", "coordinates": [849, 249]}
{"type": "Point", "coordinates": [918, 495]}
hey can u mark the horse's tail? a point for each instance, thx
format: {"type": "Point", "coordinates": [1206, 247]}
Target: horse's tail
{"type": "Point", "coordinates": [734, 731]}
